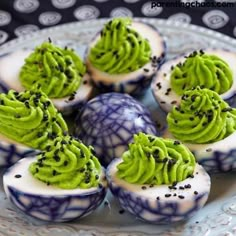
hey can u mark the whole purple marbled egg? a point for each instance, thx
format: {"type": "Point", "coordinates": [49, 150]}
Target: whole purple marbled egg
{"type": "Point", "coordinates": [108, 123]}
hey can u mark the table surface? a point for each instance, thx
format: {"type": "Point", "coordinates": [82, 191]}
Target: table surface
{"type": "Point", "coordinates": [20, 17]}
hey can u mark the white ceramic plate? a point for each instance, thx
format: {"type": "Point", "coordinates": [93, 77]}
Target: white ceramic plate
{"type": "Point", "coordinates": [217, 218]}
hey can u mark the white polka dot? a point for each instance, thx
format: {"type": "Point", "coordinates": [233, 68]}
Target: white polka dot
{"type": "Point", "coordinates": [62, 4]}
{"type": "Point", "coordinates": [121, 12]}
{"type": "Point", "coordinates": [3, 36]}
{"type": "Point", "coordinates": [180, 17]}
{"type": "Point", "coordinates": [25, 29]}
{"type": "Point", "coordinates": [148, 10]}
{"type": "Point", "coordinates": [49, 18]}
{"type": "Point", "coordinates": [215, 19]}
{"type": "Point", "coordinates": [131, 1]}
{"type": "Point", "coordinates": [5, 18]}
{"type": "Point", "coordinates": [86, 12]}
{"type": "Point", "coordinates": [26, 6]}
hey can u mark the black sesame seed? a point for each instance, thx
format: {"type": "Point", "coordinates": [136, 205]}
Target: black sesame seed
{"type": "Point", "coordinates": [176, 142]}
{"type": "Point", "coordinates": [187, 185]}
{"type": "Point", "coordinates": [208, 149]}
{"type": "Point", "coordinates": [146, 70]}
{"type": "Point", "coordinates": [227, 109]}
{"type": "Point", "coordinates": [181, 196]}
{"type": "Point", "coordinates": [56, 158]}
{"type": "Point", "coordinates": [122, 211]}
{"type": "Point", "coordinates": [100, 185]}
{"type": "Point", "coordinates": [144, 187]}
{"type": "Point", "coordinates": [163, 102]}
{"type": "Point", "coordinates": [195, 192]}
{"type": "Point", "coordinates": [157, 198]}
{"type": "Point", "coordinates": [167, 195]}
{"type": "Point", "coordinates": [18, 176]}
{"type": "Point", "coordinates": [65, 163]}
{"type": "Point", "coordinates": [181, 187]}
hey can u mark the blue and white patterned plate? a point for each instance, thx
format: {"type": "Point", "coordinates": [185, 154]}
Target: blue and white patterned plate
{"type": "Point", "coordinates": [217, 218]}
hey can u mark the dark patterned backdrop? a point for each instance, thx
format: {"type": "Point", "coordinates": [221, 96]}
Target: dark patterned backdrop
{"type": "Point", "coordinates": [19, 17]}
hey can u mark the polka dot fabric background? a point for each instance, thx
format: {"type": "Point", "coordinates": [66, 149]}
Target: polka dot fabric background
{"type": "Point", "coordinates": [20, 17]}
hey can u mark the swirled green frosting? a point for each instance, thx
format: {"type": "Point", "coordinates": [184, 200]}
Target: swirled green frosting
{"type": "Point", "coordinates": [67, 164]}
{"type": "Point", "coordinates": [202, 117]}
{"type": "Point", "coordinates": [58, 71]}
{"type": "Point", "coordinates": [201, 69]}
{"type": "Point", "coordinates": [30, 118]}
{"type": "Point", "coordinates": [154, 160]}
{"type": "Point", "coordinates": [120, 49]}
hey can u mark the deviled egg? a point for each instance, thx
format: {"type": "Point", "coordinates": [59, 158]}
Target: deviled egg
{"type": "Point", "coordinates": [158, 180]}
{"type": "Point", "coordinates": [29, 122]}
{"type": "Point", "coordinates": [61, 184]}
{"type": "Point", "coordinates": [206, 124]}
{"type": "Point", "coordinates": [59, 71]}
{"type": "Point", "coordinates": [212, 68]}
{"type": "Point", "coordinates": [125, 55]}
{"type": "Point", "coordinates": [109, 121]}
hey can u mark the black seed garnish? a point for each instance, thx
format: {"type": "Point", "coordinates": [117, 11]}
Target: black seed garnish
{"type": "Point", "coordinates": [56, 158]}
{"type": "Point", "coordinates": [174, 194]}
{"type": "Point", "coordinates": [100, 185]}
{"type": "Point", "coordinates": [122, 211]}
{"type": "Point", "coordinates": [176, 142]}
{"type": "Point", "coordinates": [163, 102]}
{"type": "Point", "coordinates": [181, 187]}
{"type": "Point", "coordinates": [45, 117]}
{"type": "Point", "coordinates": [209, 150]}
{"type": "Point", "coordinates": [157, 198]}
{"type": "Point", "coordinates": [167, 195]}
{"type": "Point", "coordinates": [191, 176]}
{"type": "Point", "coordinates": [164, 74]}
{"type": "Point", "coordinates": [146, 70]}
{"type": "Point", "coordinates": [196, 222]}
{"type": "Point", "coordinates": [195, 192]}
{"type": "Point", "coordinates": [158, 85]}
{"type": "Point", "coordinates": [18, 176]}
{"type": "Point", "coordinates": [187, 185]}
{"type": "Point", "coordinates": [227, 109]}
{"type": "Point", "coordinates": [174, 102]}
{"type": "Point", "coordinates": [82, 170]}
{"type": "Point", "coordinates": [144, 187]}
{"type": "Point", "coordinates": [27, 104]}
{"type": "Point", "coordinates": [49, 40]}
{"type": "Point", "coordinates": [181, 196]}
{"type": "Point", "coordinates": [151, 185]}
{"type": "Point", "coordinates": [151, 139]}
